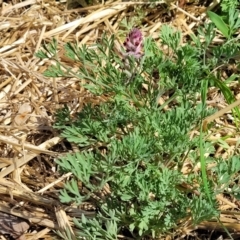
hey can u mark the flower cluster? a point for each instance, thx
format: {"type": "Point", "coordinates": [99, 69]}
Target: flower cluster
{"type": "Point", "coordinates": [134, 43]}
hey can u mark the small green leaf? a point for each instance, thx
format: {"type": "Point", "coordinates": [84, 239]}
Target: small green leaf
{"type": "Point", "coordinates": [220, 24]}
{"type": "Point", "coordinates": [126, 197]}
{"type": "Point", "coordinates": [227, 93]}
{"type": "Point", "coordinates": [84, 220]}
{"type": "Point", "coordinates": [41, 54]}
{"type": "Point", "coordinates": [132, 227]}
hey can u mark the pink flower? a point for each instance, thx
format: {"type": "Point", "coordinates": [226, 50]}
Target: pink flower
{"type": "Point", "coordinates": [134, 43]}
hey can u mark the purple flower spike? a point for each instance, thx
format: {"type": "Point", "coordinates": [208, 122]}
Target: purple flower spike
{"type": "Point", "coordinates": [134, 43]}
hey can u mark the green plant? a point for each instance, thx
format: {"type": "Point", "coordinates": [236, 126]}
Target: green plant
{"type": "Point", "coordinates": [227, 175]}
{"type": "Point", "coordinates": [133, 145]}
{"type": "Point", "coordinates": [227, 4]}
{"type": "Point", "coordinates": [231, 24]}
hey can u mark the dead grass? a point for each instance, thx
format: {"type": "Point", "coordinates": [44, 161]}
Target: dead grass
{"type": "Point", "coordinates": [29, 180]}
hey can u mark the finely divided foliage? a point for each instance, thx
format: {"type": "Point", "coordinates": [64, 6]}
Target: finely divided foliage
{"type": "Point", "coordinates": [136, 147]}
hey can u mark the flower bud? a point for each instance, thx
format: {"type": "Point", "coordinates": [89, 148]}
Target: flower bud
{"type": "Point", "coordinates": [134, 43]}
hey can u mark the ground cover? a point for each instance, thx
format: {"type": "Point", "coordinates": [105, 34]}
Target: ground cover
{"type": "Point", "coordinates": [109, 133]}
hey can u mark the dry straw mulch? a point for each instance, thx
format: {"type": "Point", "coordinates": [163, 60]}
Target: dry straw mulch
{"type": "Point", "coordinates": [29, 180]}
